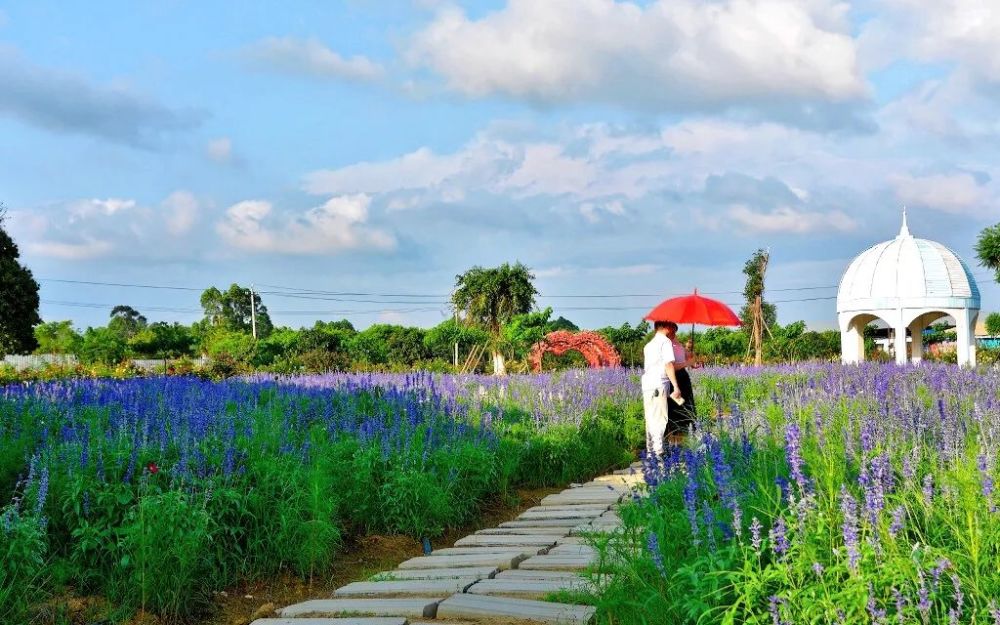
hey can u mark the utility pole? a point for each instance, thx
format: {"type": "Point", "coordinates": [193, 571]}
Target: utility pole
{"type": "Point", "coordinates": [456, 327]}
{"type": "Point", "coordinates": [253, 312]}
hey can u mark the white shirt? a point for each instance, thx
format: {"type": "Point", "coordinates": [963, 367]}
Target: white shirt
{"type": "Point", "coordinates": [656, 354]}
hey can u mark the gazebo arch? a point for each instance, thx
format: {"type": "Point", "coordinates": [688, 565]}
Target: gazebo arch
{"type": "Point", "coordinates": [597, 351]}
{"type": "Point", "coordinates": [908, 283]}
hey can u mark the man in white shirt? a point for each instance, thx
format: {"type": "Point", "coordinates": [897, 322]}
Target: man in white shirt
{"type": "Point", "coordinates": [658, 371]}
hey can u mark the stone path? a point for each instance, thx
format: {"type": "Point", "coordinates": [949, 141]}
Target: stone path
{"type": "Point", "coordinates": [497, 575]}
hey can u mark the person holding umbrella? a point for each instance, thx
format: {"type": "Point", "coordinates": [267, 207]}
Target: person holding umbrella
{"type": "Point", "coordinates": [693, 309]}
{"type": "Point", "coordinates": [659, 379]}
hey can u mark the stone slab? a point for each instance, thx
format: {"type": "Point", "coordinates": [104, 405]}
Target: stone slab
{"type": "Point", "coordinates": [557, 563]}
{"type": "Point", "coordinates": [507, 560]}
{"type": "Point", "coordinates": [525, 531]}
{"type": "Point", "coordinates": [544, 575]}
{"type": "Point", "coordinates": [572, 499]}
{"type": "Point", "coordinates": [486, 540]}
{"type": "Point", "coordinates": [371, 620]}
{"type": "Point", "coordinates": [481, 606]}
{"type": "Point", "coordinates": [592, 528]}
{"type": "Point", "coordinates": [482, 572]}
{"type": "Point", "coordinates": [573, 550]}
{"type": "Point", "coordinates": [567, 524]}
{"type": "Point", "coordinates": [572, 540]}
{"type": "Point", "coordinates": [412, 587]}
{"type": "Point", "coordinates": [528, 587]}
{"type": "Point", "coordinates": [423, 608]}
{"type": "Point", "coordinates": [469, 551]}
{"type": "Point", "coordinates": [551, 513]}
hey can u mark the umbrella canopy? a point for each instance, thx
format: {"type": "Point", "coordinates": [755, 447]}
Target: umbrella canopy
{"type": "Point", "coordinates": [694, 309]}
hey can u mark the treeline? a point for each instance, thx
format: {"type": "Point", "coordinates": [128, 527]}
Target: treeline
{"type": "Point", "coordinates": [225, 336]}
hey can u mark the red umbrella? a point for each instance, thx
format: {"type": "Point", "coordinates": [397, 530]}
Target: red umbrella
{"type": "Point", "coordinates": [694, 309]}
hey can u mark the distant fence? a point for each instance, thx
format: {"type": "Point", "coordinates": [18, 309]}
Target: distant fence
{"type": "Point", "coordinates": [40, 361]}
{"type": "Point", "coordinates": [154, 364]}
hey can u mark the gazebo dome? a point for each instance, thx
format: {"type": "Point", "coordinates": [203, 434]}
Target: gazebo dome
{"type": "Point", "coordinates": [907, 272]}
{"type": "Point", "coordinates": [908, 283]}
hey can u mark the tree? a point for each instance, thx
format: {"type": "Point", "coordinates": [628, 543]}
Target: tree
{"type": "Point", "coordinates": [757, 315]}
{"type": "Point", "coordinates": [489, 299]}
{"type": "Point", "coordinates": [126, 321]}
{"type": "Point", "coordinates": [561, 323]}
{"type": "Point", "coordinates": [628, 340]}
{"type": "Point", "coordinates": [440, 340]}
{"type": "Point", "coordinates": [384, 344]}
{"type": "Point", "coordinates": [231, 310]}
{"type": "Point", "coordinates": [988, 249]}
{"type": "Point", "coordinates": [993, 324]}
{"type": "Point", "coordinates": [523, 331]}
{"type": "Point", "coordinates": [163, 340]}
{"type": "Point", "coordinates": [18, 298]}
{"type": "Point", "coordinates": [57, 337]}
{"type": "Point", "coordinates": [102, 345]}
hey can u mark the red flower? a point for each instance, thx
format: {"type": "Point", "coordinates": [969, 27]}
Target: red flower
{"type": "Point", "coordinates": [153, 468]}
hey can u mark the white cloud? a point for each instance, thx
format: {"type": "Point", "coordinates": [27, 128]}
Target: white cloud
{"type": "Point", "coordinates": [336, 226]}
{"type": "Point", "coordinates": [786, 219]}
{"type": "Point", "coordinates": [107, 227]}
{"type": "Point", "coordinates": [84, 209]}
{"type": "Point", "coordinates": [220, 150]}
{"type": "Point", "coordinates": [956, 193]}
{"type": "Point", "coordinates": [87, 249]}
{"type": "Point", "coordinates": [593, 212]}
{"type": "Point", "coordinates": [668, 54]}
{"type": "Point", "coordinates": [309, 57]}
{"type": "Point", "coordinates": [960, 31]}
{"type": "Point", "coordinates": [182, 212]}
{"type": "Point", "coordinates": [415, 170]}
{"type": "Point", "coordinates": [545, 169]}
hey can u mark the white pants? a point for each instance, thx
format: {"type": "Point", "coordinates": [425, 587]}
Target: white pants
{"type": "Point", "coordinates": [656, 419]}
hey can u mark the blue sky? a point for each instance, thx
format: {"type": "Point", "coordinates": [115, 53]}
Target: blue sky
{"type": "Point", "coordinates": [617, 148]}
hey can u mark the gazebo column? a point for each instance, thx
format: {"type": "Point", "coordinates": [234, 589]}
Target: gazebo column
{"type": "Point", "coordinates": [900, 343]}
{"type": "Point", "coordinates": [852, 343]}
{"type": "Point", "coordinates": [964, 323]}
{"type": "Point", "coordinates": [917, 340]}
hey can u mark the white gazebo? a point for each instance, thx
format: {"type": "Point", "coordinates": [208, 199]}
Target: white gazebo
{"type": "Point", "coordinates": [908, 283]}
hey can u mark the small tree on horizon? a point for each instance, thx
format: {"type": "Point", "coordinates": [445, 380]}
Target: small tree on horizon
{"type": "Point", "coordinates": [490, 298]}
{"type": "Point", "coordinates": [18, 297]}
{"type": "Point", "coordinates": [993, 324]}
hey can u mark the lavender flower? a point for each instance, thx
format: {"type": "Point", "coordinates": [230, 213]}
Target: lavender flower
{"type": "Point", "coordinates": [755, 537]}
{"type": "Point", "coordinates": [928, 489]}
{"type": "Point", "coordinates": [923, 599]}
{"type": "Point", "coordinates": [849, 508]}
{"type": "Point", "coordinates": [900, 605]}
{"type": "Point", "coordinates": [691, 505]}
{"type": "Point", "coordinates": [877, 613]}
{"type": "Point", "coordinates": [818, 569]}
{"type": "Point", "coordinates": [779, 538]}
{"type": "Point", "coordinates": [986, 480]}
{"type": "Point", "coordinates": [653, 546]}
{"type": "Point", "coordinates": [793, 452]}
{"type": "Point", "coordinates": [897, 521]}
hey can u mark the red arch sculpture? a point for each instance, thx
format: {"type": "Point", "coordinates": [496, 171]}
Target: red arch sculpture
{"type": "Point", "coordinates": [595, 348]}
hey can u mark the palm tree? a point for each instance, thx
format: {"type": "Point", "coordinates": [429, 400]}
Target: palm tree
{"type": "Point", "coordinates": [489, 298]}
{"type": "Point", "coordinates": [988, 248]}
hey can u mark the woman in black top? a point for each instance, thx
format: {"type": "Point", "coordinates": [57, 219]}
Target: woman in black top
{"type": "Point", "coordinates": [680, 419]}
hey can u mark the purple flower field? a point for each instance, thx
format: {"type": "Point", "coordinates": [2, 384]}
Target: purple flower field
{"type": "Point", "coordinates": [823, 494]}
{"type": "Point", "coordinates": [154, 492]}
